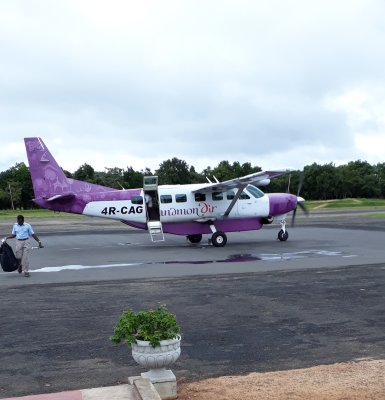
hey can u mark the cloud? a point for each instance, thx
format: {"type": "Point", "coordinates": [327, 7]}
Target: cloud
{"type": "Point", "coordinates": [124, 83]}
{"type": "Point", "coordinates": [363, 108]}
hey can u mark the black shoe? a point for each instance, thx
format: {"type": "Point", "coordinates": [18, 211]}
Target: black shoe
{"type": "Point", "coordinates": [26, 274]}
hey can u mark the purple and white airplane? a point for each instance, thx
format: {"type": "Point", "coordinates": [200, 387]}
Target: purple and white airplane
{"type": "Point", "coordinates": [192, 210]}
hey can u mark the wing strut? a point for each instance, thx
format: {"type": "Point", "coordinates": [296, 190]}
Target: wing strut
{"type": "Point", "coordinates": [236, 197]}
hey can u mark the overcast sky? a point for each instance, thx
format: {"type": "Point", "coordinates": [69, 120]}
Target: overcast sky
{"type": "Point", "coordinates": [117, 83]}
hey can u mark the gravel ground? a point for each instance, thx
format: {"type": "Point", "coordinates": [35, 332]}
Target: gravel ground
{"type": "Point", "coordinates": [362, 380]}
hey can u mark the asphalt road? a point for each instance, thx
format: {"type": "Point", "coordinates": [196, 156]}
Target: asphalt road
{"type": "Point", "coordinates": [255, 305]}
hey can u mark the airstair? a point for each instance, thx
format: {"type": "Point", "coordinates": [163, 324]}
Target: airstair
{"type": "Point", "coordinates": [156, 231]}
{"type": "Point", "coordinates": [154, 225]}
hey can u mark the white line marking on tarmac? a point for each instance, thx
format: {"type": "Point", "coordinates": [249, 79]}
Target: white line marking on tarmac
{"type": "Point", "coordinates": [79, 267]}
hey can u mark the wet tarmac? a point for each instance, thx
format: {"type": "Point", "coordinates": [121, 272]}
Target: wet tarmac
{"type": "Point", "coordinates": [255, 305]}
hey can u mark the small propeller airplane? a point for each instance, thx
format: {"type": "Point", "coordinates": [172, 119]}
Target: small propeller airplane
{"type": "Point", "coordinates": [192, 210]}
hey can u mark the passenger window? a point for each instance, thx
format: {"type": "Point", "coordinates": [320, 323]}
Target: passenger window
{"type": "Point", "coordinates": [166, 198]}
{"type": "Point", "coordinates": [230, 195]}
{"type": "Point", "coordinates": [200, 196]}
{"type": "Point", "coordinates": [137, 200]}
{"type": "Point", "coordinates": [217, 196]}
{"type": "Point", "coordinates": [244, 196]}
{"type": "Point", "coordinates": [180, 198]}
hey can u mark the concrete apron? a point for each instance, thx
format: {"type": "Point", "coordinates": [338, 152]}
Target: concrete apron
{"type": "Point", "coordinates": [139, 388]}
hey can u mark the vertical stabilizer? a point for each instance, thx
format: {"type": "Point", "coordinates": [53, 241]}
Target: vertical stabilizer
{"type": "Point", "coordinates": [48, 178]}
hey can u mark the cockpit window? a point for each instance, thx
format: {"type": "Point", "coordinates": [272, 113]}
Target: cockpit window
{"type": "Point", "coordinates": [257, 193]}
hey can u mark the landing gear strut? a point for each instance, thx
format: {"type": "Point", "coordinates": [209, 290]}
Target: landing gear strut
{"type": "Point", "coordinates": [218, 238]}
{"type": "Point", "coordinates": [283, 234]}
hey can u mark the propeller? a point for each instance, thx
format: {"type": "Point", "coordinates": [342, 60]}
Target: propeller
{"type": "Point", "coordinates": [300, 201]}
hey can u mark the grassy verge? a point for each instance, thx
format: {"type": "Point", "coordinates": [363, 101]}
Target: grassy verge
{"type": "Point", "coordinates": [40, 213]}
{"type": "Point", "coordinates": [345, 203]}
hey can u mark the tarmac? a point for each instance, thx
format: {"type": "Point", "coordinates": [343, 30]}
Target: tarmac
{"type": "Point", "coordinates": [141, 388]}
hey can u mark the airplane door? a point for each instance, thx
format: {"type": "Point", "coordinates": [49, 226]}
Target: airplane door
{"type": "Point", "coordinates": [151, 198]}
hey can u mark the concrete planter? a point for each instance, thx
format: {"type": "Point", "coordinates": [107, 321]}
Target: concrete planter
{"type": "Point", "coordinates": [157, 360]}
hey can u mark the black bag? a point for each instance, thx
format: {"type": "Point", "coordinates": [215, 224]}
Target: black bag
{"type": "Point", "coordinates": [7, 258]}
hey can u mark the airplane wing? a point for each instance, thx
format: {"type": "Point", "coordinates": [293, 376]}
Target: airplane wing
{"type": "Point", "coordinates": [261, 178]}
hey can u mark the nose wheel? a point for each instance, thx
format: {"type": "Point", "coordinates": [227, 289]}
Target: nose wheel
{"type": "Point", "coordinates": [218, 239]}
{"type": "Point", "coordinates": [283, 234]}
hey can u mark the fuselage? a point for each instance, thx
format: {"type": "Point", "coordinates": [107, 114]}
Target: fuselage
{"type": "Point", "coordinates": [181, 211]}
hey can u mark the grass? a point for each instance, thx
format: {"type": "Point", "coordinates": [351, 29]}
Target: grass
{"type": "Point", "coordinates": [345, 203]}
{"type": "Point", "coordinates": [39, 213]}
{"type": "Point", "coordinates": [377, 215]}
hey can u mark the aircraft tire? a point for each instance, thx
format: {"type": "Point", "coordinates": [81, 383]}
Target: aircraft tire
{"type": "Point", "coordinates": [194, 238]}
{"type": "Point", "coordinates": [283, 236]}
{"type": "Point", "coordinates": [219, 239]}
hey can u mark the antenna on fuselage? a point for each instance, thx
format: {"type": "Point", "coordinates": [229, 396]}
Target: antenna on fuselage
{"type": "Point", "coordinates": [208, 180]}
{"type": "Point", "coordinates": [216, 180]}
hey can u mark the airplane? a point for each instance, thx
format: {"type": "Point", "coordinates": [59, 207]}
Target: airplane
{"type": "Point", "coordinates": [192, 210]}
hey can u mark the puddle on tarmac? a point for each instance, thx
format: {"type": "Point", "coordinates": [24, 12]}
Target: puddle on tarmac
{"type": "Point", "coordinates": [260, 257]}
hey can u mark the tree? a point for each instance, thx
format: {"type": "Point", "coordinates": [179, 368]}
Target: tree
{"type": "Point", "coordinates": [85, 173]}
{"type": "Point", "coordinates": [132, 179]}
{"type": "Point", "coordinates": [16, 181]}
{"type": "Point", "coordinates": [174, 172]}
{"type": "Point", "coordinates": [359, 180]}
{"type": "Point", "coordinates": [320, 182]}
{"type": "Point", "coordinates": [225, 171]}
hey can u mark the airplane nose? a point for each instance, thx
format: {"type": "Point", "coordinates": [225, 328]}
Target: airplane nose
{"type": "Point", "coordinates": [282, 203]}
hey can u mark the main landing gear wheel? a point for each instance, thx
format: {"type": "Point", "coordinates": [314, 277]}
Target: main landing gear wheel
{"type": "Point", "coordinates": [194, 238]}
{"type": "Point", "coordinates": [219, 239]}
{"type": "Point", "coordinates": [283, 235]}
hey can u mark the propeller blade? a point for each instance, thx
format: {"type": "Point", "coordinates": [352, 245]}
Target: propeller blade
{"type": "Point", "coordinates": [300, 183]}
{"type": "Point", "coordinates": [303, 207]}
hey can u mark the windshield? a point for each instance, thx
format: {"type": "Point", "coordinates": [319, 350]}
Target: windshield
{"type": "Point", "coordinates": [257, 193]}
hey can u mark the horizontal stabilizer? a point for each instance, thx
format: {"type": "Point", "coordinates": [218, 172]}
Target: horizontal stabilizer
{"type": "Point", "coordinates": [62, 196]}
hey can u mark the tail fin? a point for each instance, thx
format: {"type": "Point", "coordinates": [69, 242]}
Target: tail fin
{"type": "Point", "coordinates": [50, 185]}
{"type": "Point", "coordinates": [48, 178]}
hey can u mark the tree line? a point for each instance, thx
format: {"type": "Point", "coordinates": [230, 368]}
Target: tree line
{"type": "Point", "coordinates": [357, 179]}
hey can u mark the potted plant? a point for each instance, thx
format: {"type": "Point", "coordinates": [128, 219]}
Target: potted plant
{"type": "Point", "coordinates": [154, 336]}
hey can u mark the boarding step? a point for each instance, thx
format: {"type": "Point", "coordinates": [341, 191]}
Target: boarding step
{"type": "Point", "coordinates": [156, 231]}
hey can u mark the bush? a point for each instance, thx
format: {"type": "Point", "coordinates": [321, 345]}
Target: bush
{"type": "Point", "coordinates": [152, 326]}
